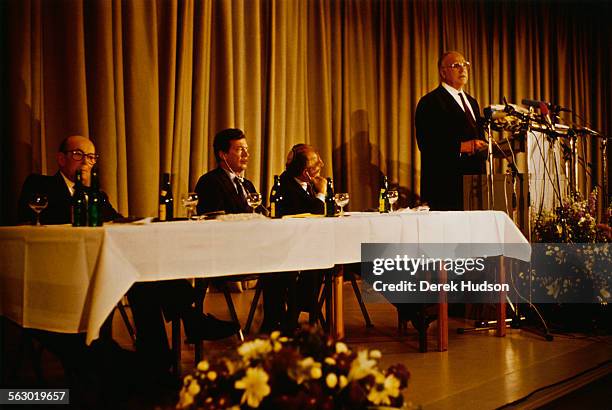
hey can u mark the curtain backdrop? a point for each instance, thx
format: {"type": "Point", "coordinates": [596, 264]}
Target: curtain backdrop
{"type": "Point", "coordinates": [151, 82]}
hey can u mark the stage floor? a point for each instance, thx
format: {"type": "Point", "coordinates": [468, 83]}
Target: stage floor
{"type": "Point", "coordinates": [479, 371]}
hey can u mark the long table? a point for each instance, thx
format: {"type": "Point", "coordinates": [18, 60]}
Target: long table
{"type": "Point", "coordinates": [65, 279]}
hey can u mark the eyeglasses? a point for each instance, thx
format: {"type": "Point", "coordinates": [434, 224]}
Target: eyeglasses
{"type": "Point", "coordinates": [78, 155]}
{"type": "Point", "coordinates": [457, 66]}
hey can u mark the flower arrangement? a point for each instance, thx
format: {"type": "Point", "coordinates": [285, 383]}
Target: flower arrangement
{"type": "Point", "coordinates": [307, 371]}
{"type": "Point", "coordinates": [575, 261]}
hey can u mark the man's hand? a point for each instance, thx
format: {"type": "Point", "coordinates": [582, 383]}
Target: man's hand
{"type": "Point", "coordinates": [471, 147]}
{"type": "Point", "coordinates": [319, 184]}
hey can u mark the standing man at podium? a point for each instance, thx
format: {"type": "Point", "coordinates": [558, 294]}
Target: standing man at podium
{"type": "Point", "coordinates": [449, 136]}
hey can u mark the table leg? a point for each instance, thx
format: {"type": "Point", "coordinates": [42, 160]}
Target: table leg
{"type": "Point", "coordinates": [336, 317]}
{"type": "Point", "coordinates": [500, 328]}
{"type": "Point", "coordinates": [442, 335]}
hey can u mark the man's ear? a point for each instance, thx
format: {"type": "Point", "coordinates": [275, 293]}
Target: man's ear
{"type": "Point", "coordinates": [61, 159]}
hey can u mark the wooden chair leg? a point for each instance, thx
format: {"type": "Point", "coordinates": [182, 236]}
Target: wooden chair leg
{"type": "Point", "coordinates": [253, 308]}
{"type": "Point", "coordinates": [176, 347]}
{"type": "Point", "coordinates": [362, 306]}
{"type": "Point", "coordinates": [201, 286]}
{"type": "Point", "coordinates": [126, 321]}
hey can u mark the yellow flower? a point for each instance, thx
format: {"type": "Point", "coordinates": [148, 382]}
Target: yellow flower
{"type": "Point", "coordinates": [383, 389]}
{"type": "Point", "coordinates": [307, 368]}
{"type": "Point", "coordinates": [343, 381]}
{"type": "Point", "coordinates": [362, 366]}
{"type": "Point", "coordinates": [194, 388]}
{"type": "Point", "coordinates": [203, 366]}
{"type": "Point", "coordinates": [375, 354]}
{"type": "Point", "coordinates": [185, 399]}
{"type": "Point", "coordinates": [212, 375]}
{"type": "Point", "coordinates": [316, 373]}
{"type": "Point", "coordinates": [331, 380]}
{"type": "Point", "coordinates": [330, 361]}
{"type": "Point", "coordinates": [341, 348]}
{"type": "Point", "coordinates": [254, 349]}
{"type": "Point", "coordinates": [255, 386]}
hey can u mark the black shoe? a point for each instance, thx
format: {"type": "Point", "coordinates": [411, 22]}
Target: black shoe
{"type": "Point", "coordinates": [208, 327]}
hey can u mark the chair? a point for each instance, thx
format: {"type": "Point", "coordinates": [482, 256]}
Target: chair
{"type": "Point", "coordinates": [350, 275]}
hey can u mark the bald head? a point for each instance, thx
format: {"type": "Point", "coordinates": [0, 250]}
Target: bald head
{"type": "Point", "coordinates": [76, 152]}
{"type": "Point", "coordinates": [453, 69]}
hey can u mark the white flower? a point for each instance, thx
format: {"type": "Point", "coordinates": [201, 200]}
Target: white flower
{"type": "Point", "coordinates": [375, 354]}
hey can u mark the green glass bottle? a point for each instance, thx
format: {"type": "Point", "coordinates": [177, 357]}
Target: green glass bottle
{"type": "Point", "coordinates": [276, 199]}
{"type": "Point", "coordinates": [330, 204]}
{"type": "Point", "coordinates": [94, 203]}
{"type": "Point", "coordinates": [79, 201]}
{"type": "Point", "coordinates": [384, 206]}
{"type": "Point", "coordinates": [166, 201]}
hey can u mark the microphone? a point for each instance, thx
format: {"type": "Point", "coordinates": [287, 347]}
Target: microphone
{"type": "Point", "coordinates": [549, 106]}
{"type": "Point", "coordinates": [240, 179]}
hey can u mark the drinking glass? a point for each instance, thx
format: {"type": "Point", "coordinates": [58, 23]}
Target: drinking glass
{"type": "Point", "coordinates": [253, 199]}
{"type": "Point", "coordinates": [190, 201]}
{"type": "Point", "coordinates": [341, 199]}
{"type": "Point", "coordinates": [393, 197]}
{"type": "Point", "coordinates": [38, 202]}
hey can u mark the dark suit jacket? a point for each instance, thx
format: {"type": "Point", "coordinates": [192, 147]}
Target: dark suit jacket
{"type": "Point", "coordinates": [441, 126]}
{"type": "Point", "coordinates": [58, 195]}
{"type": "Point", "coordinates": [296, 200]}
{"type": "Point", "coordinates": [217, 192]}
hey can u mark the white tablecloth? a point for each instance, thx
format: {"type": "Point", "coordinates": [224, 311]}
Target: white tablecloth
{"type": "Point", "coordinates": [68, 279]}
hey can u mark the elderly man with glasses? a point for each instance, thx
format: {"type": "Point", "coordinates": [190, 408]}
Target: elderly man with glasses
{"type": "Point", "coordinates": [75, 152]}
{"type": "Point", "coordinates": [449, 136]}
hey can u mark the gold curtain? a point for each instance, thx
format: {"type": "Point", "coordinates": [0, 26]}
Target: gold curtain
{"type": "Point", "coordinates": [151, 82]}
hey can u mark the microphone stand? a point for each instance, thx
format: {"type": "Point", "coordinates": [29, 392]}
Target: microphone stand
{"type": "Point", "coordinates": [490, 191]}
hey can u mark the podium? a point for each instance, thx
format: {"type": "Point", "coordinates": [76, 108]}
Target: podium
{"type": "Point", "coordinates": [476, 197]}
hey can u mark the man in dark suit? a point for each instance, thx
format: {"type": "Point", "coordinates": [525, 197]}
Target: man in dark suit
{"type": "Point", "coordinates": [302, 187]}
{"type": "Point", "coordinates": [75, 152]}
{"type": "Point", "coordinates": [448, 136]}
{"type": "Point", "coordinates": [225, 187]}
{"type": "Point", "coordinates": [147, 299]}
{"type": "Point", "coordinates": [303, 191]}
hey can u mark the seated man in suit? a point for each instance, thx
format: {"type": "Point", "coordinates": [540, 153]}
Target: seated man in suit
{"type": "Point", "coordinates": [303, 191]}
{"type": "Point", "coordinates": [147, 299]}
{"type": "Point", "coordinates": [225, 187]}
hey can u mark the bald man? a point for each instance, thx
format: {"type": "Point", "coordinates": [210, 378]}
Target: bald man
{"type": "Point", "coordinates": [449, 136]}
{"type": "Point", "coordinates": [75, 152]}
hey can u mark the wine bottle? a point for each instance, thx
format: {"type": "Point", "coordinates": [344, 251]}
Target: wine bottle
{"type": "Point", "coordinates": [276, 199]}
{"type": "Point", "coordinates": [94, 204]}
{"type": "Point", "coordinates": [166, 202]}
{"type": "Point", "coordinates": [383, 197]}
{"type": "Point", "coordinates": [79, 201]}
{"type": "Point", "coordinates": [330, 204]}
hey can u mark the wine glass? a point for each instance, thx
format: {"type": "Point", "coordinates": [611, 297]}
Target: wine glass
{"type": "Point", "coordinates": [38, 202]}
{"type": "Point", "coordinates": [190, 201]}
{"type": "Point", "coordinates": [253, 199]}
{"type": "Point", "coordinates": [341, 198]}
{"type": "Point", "coordinates": [393, 197]}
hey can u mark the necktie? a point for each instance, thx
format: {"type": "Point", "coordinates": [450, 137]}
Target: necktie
{"type": "Point", "coordinates": [310, 190]}
{"type": "Point", "coordinates": [468, 113]}
{"type": "Point", "coordinates": [240, 188]}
